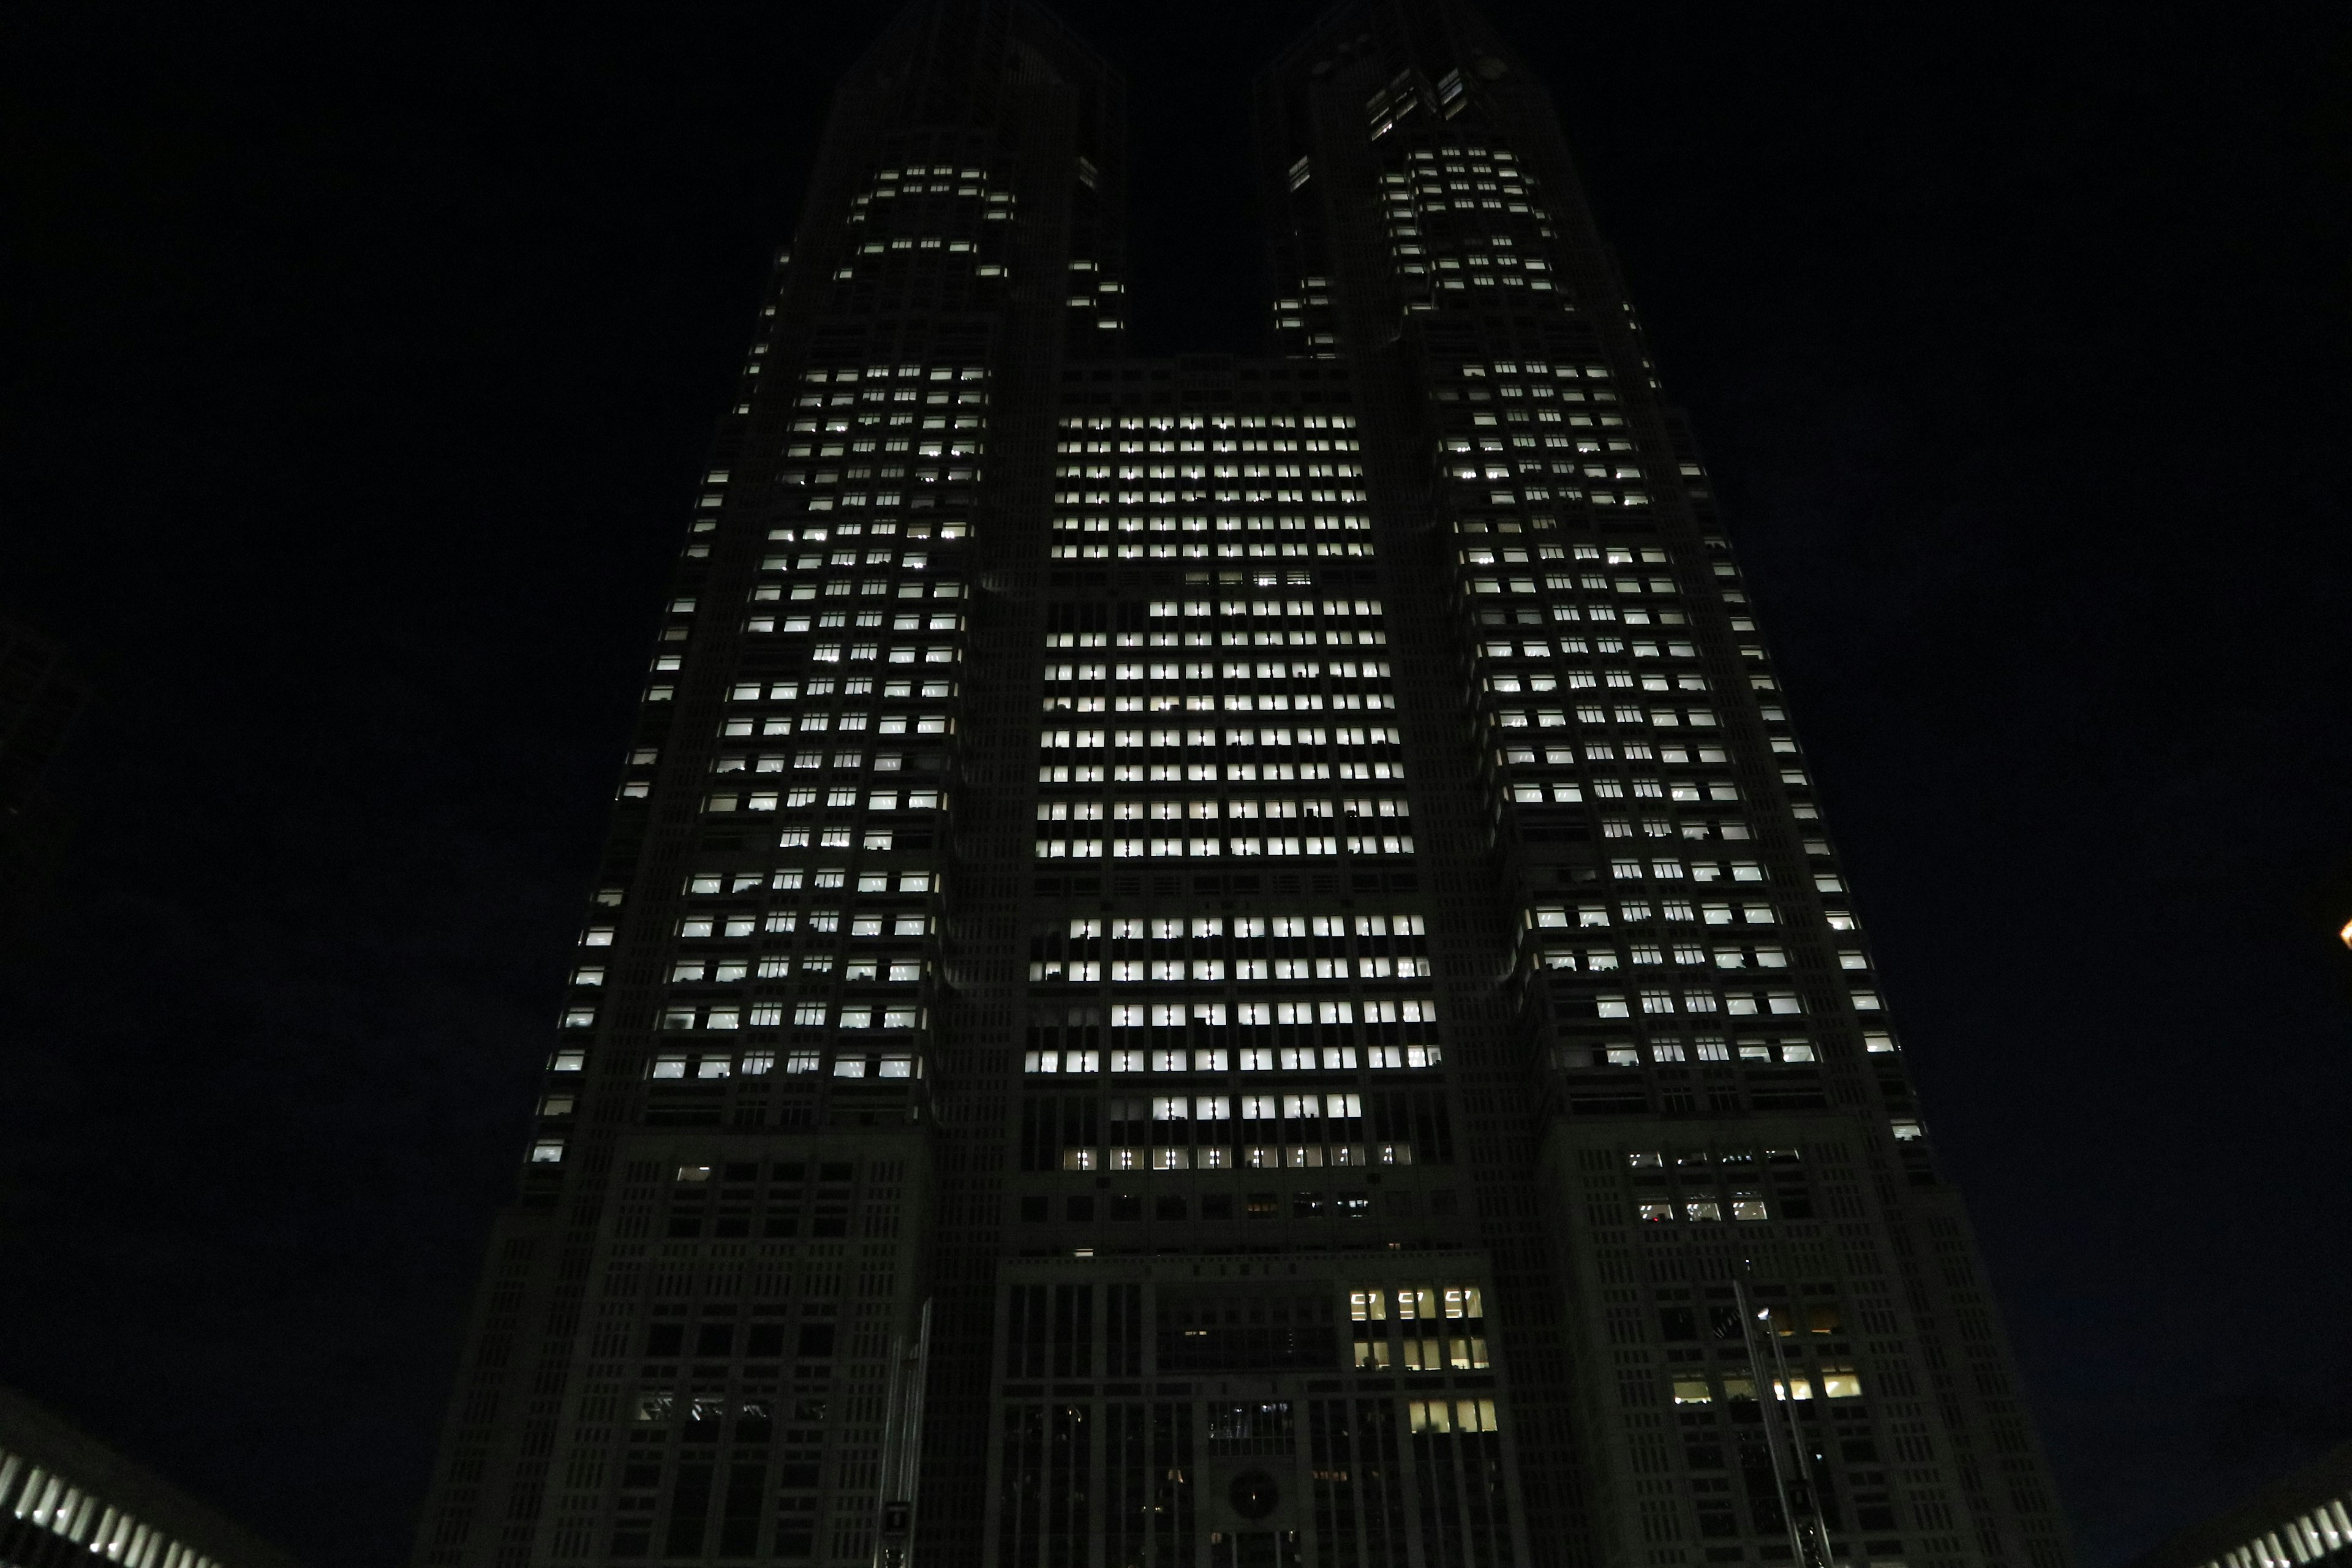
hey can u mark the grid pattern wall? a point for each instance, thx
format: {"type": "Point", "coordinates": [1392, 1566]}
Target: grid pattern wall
{"type": "Point", "coordinates": [1682, 940]}
{"type": "Point", "coordinates": [47, 1518]}
{"type": "Point", "coordinates": [1246, 938]}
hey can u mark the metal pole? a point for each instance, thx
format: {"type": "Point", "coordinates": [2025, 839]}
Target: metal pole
{"type": "Point", "coordinates": [902, 1449]}
{"type": "Point", "coordinates": [1808, 1479]}
{"type": "Point", "coordinates": [1771, 1437]}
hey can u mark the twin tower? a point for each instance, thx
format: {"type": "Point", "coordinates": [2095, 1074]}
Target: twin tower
{"type": "Point", "coordinates": [1221, 962]}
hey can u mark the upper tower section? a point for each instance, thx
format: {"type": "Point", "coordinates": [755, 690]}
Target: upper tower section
{"type": "Point", "coordinates": [1412, 165]}
{"type": "Point", "coordinates": [973, 164]}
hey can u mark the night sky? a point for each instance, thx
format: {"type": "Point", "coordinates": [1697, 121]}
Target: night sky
{"type": "Point", "coordinates": [355, 376]}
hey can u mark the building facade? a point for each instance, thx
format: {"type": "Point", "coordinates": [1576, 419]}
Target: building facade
{"type": "Point", "coordinates": [68, 1500]}
{"type": "Point", "coordinates": [1223, 961]}
{"type": "Point", "coordinates": [2302, 1517]}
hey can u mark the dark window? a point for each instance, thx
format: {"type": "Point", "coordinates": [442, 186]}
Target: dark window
{"type": "Point", "coordinates": [739, 1526]}
{"type": "Point", "coordinates": [689, 1500]}
{"type": "Point", "coordinates": [816, 1339]}
{"type": "Point", "coordinates": [1210, 1329]}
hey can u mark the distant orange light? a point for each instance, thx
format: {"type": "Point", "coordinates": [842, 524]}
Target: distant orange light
{"type": "Point", "coordinates": [2347, 933]}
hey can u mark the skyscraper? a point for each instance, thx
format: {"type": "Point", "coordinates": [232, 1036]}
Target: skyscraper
{"type": "Point", "coordinates": [1221, 960]}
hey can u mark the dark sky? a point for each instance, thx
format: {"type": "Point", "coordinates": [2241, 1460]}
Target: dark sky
{"type": "Point", "coordinates": [356, 370]}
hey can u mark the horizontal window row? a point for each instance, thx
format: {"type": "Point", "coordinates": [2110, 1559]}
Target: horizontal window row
{"type": "Point", "coordinates": [744, 924]}
{"type": "Point", "coordinates": [1202, 553]}
{"type": "Point", "coordinates": [1195, 464]}
{"type": "Point", "coordinates": [1535, 490]}
{"type": "Point", "coordinates": [1162, 426]}
{"type": "Point", "coordinates": [836, 837]}
{"type": "Point", "coordinates": [1336, 1105]}
{"type": "Point", "coordinates": [870, 587]}
{"type": "Point", "coordinates": [1210, 809]}
{"type": "Point", "coordinates": [1087, 972]}
{"type": "Point", "coordinates": [1083, 446]}
{"type": "Point", "coordinates": [1648, 827]}
{"type": "Point", "coordinates": [826, 500]}
{"type": "Point", "coordinates": [1227, 669]}
{"type": "Point", "coordinates": [777, 966]}
{"type": "Point", "coordinates": [1209, 772]}
{"type": "Point", "coordinates": [1573, 679]}
{"type": "Point", "coordinates": [872, 376]}
{"type": "Point", "coordinates": [817, 723]}
{"type": "Point", "coordinates": [1662, 1003]}
{"type": "Point", "coordinates": [1380, 1126]}
{"type": "Point", "coordinates": [1069, 471]}
{"type": "Point", "coordinates": [1566, 647]}
{"type": "Point", "coordinates": [847, 722]}
{"type": "Point", "coordinates": [1566, 583]}
{"type": "Point", "coordinates": [1625, 1053]}
{"type": "Point", "coordinates": [719, 1340]}
{"type": "Point", "coordinates": [1304, 701]}
{"type": "Point", "coordinates": [833, 653]}
{"type": "Point", "coordinates": [1427, 1350]}
{"type": "Point", "coordinates": [1502, 370]}
{"type": "Point", "coordinates": [1095, 739]}
{"type": "Point", "coordinates": [826, 686]}
{"type": "Point", "coordinates": [1285, 1058]}
{"type": "Point", "coordinates": [1304, 845]}
{"type": "Point", "coordinates": [1605, 554]}
{"type": "Point", "coordinates": [1292, 637]}
{"type": "Point", "coordinates": [1278, 522]}
{"type": "Point", "coordinates": [1494, 466]}
{"type": "Point", "coordinates": [1165, 609]}
{"type": "Point", "coordinates": [1120, 928]}
{"type": "Point", "coordinates": [1168, 1015]}
{"type": "Point", "coordinates": [1575, 791]}
{"type": "Point", "coordinates": [1239, 943]}
{"type": "Point", "coordinates": [1598, 959]}
{"type": "Point", "coordinates": [947, 531]}
{"type": "Point", "coordinates": [802, 1014]}
{"type": "Point", "coordinates": [932, 449]}
{"type": "Point", "coordinates": [1232, 1157]}
{"type": "Point", "coordinates": [1310, 492]}
{"type": "Point", "coordinates": [911, 561]}
{"type": "Point", "coordinates": [796, 1062]}
{"type": "Point", "coordinates": [1831, 1379]}
{"type": "Point", "coordinates": [1668, 749]}
{"type": "Point", "coordinates": [1667, 870]}
{"type": "Point", "coordinates": [783, 878]}
{"type": "Point", "coordinates": [1560, 611]}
